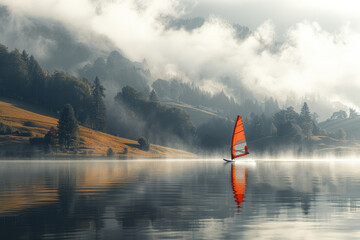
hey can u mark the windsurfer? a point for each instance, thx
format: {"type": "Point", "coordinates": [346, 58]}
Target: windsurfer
{"type": "Point", "coordinates": [246, 150]}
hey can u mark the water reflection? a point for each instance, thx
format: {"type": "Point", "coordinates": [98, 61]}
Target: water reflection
{"type": "Point", "coordinates": [239, 174]}
{"type": "Point", "coordinates": [179, 199]}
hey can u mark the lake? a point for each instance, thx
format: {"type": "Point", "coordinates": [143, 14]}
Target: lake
{"type": "Point", "coordinates": [180, 199]}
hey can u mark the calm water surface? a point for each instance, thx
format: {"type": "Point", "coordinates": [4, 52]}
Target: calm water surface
{"type": "Point", "coordinates": [183, 199]}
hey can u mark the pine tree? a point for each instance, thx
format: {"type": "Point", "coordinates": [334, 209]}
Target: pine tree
{"type": "Point", "coordinates": [305, 113]}
{"type": "Point", "coordinates": [25, 56]}
{"type": "Point", "coordinates": [50, 137]}
{"type": "Point", "coordinates": [50, 140]}
{"type": "Point", "coordinates": [98, 113]}
{"type": "Point", "coordinates": [144, 144]}
{"type": "Point", "coordinates": [37, 80]}
{"type": "Point", "coordinates": [17, 72]}
{"type": "Point", "coordinates": [305, 120]}
{"type": "Point", "coordinates": [68, 129]}
{"type": "Point", "coordinates": [110, 152]}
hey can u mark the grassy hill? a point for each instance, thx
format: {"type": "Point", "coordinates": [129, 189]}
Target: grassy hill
{"type": "Point", "coordinates": [25, 123]}
{"type": "Point", "coordinates": [350, 125]}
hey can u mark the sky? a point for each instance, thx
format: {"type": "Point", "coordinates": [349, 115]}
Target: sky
{"type": "Point", "coordinates": [297, 49]}
{"type": "Point", "coordinates": [330, 14]}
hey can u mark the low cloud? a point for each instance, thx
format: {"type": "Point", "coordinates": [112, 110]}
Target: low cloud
{"type": "Point", "coordinates": [308, 61]}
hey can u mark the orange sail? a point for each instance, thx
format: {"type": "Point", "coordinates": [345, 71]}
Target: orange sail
{"type": "Point", "coordinates": [238, 144]}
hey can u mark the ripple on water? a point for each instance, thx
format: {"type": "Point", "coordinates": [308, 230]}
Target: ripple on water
{"type": "Point", "coordinates": [179, 199]}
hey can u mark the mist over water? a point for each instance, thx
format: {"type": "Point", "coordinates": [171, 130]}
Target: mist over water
{"type": "Point", "coordinates": [202, 199]}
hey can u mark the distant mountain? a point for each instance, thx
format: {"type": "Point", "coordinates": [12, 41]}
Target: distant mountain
{"type": "Point", "coordinates": [189, 24]}
{"type": "Point", "coordinates": [54, 45]}
{"type": "Point", "coordinates": [241, 31]}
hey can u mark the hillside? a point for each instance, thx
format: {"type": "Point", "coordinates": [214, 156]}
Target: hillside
{"type": "Point", "coordinates": [350, 126]}
{"type": "Point", "coordinates": [93, 143]}
{"type": "Point", "coordinates": [198, 115]}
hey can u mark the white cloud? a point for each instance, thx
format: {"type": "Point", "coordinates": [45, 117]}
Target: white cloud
{"type": "Point", "coordinates": [74, 13]}
{"type": "Point", "coordinates": [309, 61]}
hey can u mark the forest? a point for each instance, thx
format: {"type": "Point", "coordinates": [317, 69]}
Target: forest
{"type": "Point", "coordinates": [139, 110]}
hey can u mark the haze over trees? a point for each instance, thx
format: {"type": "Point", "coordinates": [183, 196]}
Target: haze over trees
{"type": "Point", "coordinates": [175, 90]}
{"type": "Point", "coordinates": [353, 113]}
{"type": "Point", "coordinates": [341, 121]}
{"type": "Point", "coordinates": [214, 135]}
{"type": "Point", "coordinates": [153, 96]}
{"type": "Point", "coordinates": [136, 111]}
{"type": "Point", "coordinates": [117, 71]}
{"type": "Point", "coordinates": [162, 123]}
{"type": "Point", "coordinates": [338, 115]}
{"type": "Point", "coordinates": [98, 109]}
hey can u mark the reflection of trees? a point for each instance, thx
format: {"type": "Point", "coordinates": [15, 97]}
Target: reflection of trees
{"type": "Point", "coordinates": [66, 187]}
{"type": "Point", "coordinates": [83, 193]}
{"type": "Point", "coordinates": [70, 213]}
{"type": "Point", "coordinates": [297, 185]}
{"type": "Point", "coordinates": [177, 203]}
{"type": "Point", "coordinates": [290, 198]}
{"type": "Point", "coordinates": [305, 203]}
{"type": "Point", "coordinates": [54, 200]}
{"type": "Point", "coordinates": [161, 198]}
{"type": "Point", "coordinates": [49, 219]}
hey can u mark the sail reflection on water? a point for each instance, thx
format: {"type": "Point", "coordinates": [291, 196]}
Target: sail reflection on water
{"type": "Point", "coordinates": [239, 174]}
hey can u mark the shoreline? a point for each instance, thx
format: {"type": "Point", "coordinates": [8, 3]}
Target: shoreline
{"type": "Point", "coordinates": [84, 158]}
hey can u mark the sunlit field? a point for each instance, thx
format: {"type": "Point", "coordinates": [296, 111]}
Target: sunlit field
{"type": "Point", "coordinates": [94, 143]}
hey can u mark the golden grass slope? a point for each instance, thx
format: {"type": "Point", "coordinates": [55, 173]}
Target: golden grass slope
{"type": "Point", "coordinates": [94, 143]}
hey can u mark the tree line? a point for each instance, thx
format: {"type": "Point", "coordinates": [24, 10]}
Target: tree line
{"type": "Point", "coordinates": [22, 78]}
{"type": "Point", "coordinates": [142, 114]}
{"type": "Point", "coordinates": [286, 129]}
{"type": "Point", "coordinates": [219, 102]}
{"type": "Point", "coordinates": [162, 123]}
